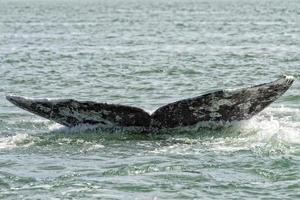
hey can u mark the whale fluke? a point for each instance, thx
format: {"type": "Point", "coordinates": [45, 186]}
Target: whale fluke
{"type": "Point", "coordinates": [221, 105]}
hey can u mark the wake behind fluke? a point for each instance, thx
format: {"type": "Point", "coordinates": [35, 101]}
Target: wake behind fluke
{"type": "Point", "coordinates": [214, 107]}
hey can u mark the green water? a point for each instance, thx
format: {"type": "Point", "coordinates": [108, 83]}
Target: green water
{"type": "Point", "coordinates": [148, 53]}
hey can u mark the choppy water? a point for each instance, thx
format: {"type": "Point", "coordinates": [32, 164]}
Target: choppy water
{"type": "Point", "coordinates": [148, 53]}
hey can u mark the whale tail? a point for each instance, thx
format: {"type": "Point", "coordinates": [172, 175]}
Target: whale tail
{"type": "Point", "coordinates": [221, 105]}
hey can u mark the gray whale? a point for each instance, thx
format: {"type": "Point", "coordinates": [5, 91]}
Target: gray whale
{"type": "Point", "coordinates": [217, 106]}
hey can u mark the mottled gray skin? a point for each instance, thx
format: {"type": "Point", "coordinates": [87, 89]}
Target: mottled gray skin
{"type": "Point", "coordinates": [71, 113]}
{"type": "Point", "coordinates": [222, 105]}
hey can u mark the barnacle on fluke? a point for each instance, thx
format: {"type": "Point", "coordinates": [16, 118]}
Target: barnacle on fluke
{"type": "Point", "coordinates": [217, 106]}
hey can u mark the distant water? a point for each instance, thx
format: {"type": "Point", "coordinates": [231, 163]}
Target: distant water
{"type": "Point", "coordinates": [147, 53]}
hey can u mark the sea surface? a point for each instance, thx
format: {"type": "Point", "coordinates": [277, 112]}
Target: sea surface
{"type": "Point", "coordinates": [148, 53]}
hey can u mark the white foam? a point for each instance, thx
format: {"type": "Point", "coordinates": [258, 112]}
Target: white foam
{"type": "Point", "coordinates": [280, 124]}
{"type": "Point", "coordinates": [75, 129]}
{"type": "Point", "coordinates": [275, 130]}
{"type": "Point", "coordinates": [14, 141]}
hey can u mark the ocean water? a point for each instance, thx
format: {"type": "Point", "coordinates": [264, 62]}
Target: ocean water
{"type": "Point", "coordinates": [148, 53]}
